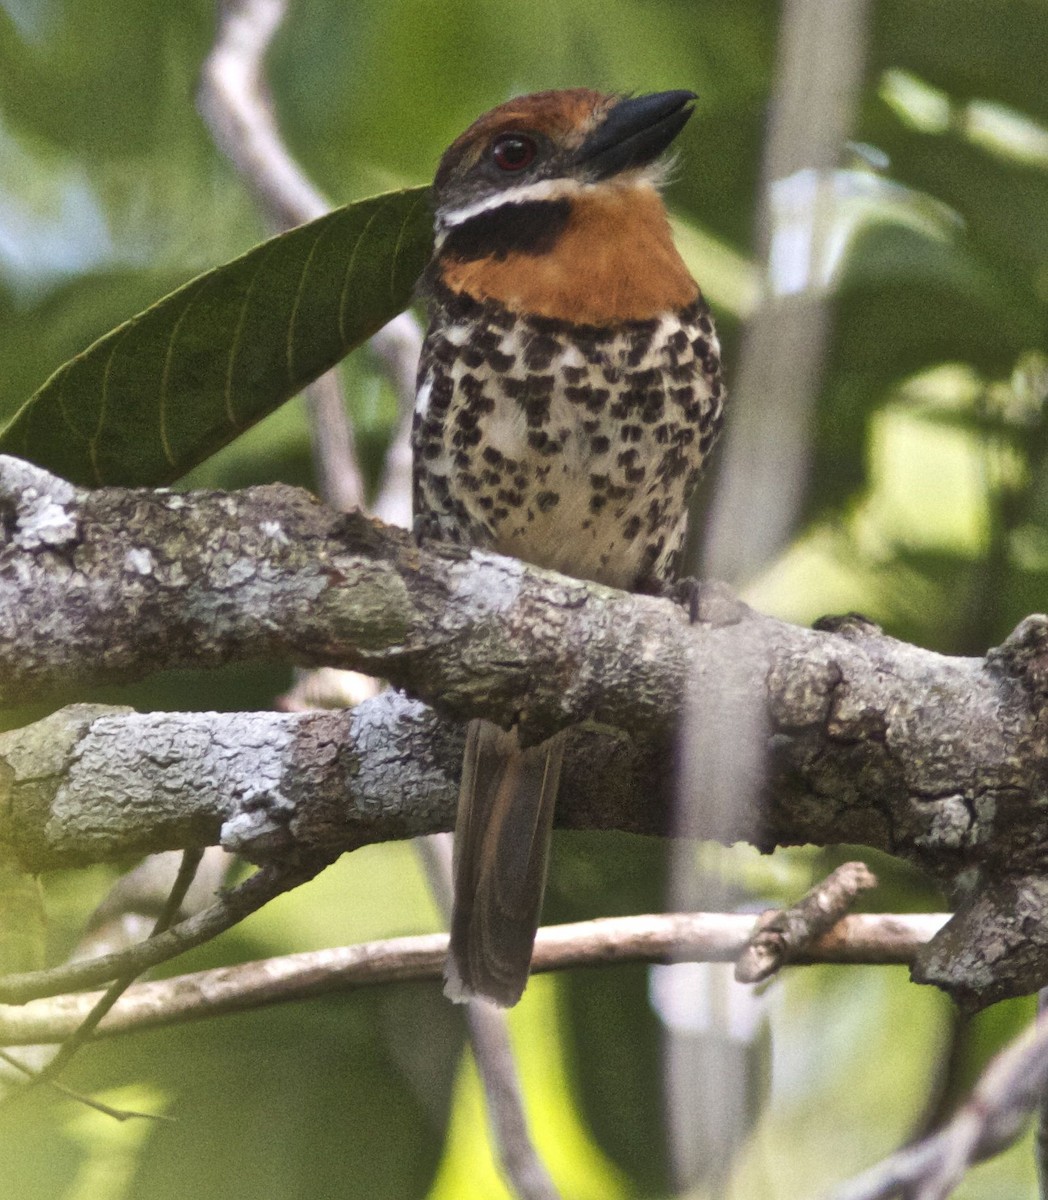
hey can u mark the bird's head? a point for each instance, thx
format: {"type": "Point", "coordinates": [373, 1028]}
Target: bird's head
{"type": "Point", "coordinates": [549, 146]}
{"type": "Point", "coordinates": [549, 205]}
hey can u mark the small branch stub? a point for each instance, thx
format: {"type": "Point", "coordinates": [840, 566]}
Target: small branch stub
{"type": "Point", "coordinates": [781, 935]}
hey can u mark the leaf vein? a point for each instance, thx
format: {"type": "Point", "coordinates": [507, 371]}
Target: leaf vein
{"type": "Point", "coordinates": [165, 377]}
{"type": "Point", "coordinates": [343, 295]}
{"type": "Point", "coordinates": [289, 354]}
{"type": "Point", "coordinates": [234, 348]}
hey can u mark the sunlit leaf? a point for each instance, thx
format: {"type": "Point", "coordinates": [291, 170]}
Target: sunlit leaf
{"type": "Point", "coordinates": [161, 392]}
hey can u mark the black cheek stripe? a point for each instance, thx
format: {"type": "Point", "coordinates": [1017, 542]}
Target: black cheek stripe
{"type": "Point", "coordinates": [528, 227]}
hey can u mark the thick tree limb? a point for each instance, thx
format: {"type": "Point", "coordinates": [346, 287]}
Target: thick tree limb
{"type": "Point", "coordinates": [114, 584]}
{"type": "Point", "coordinates": [942, 761]}
{"type": "Point", "coordinates": [92, 784]}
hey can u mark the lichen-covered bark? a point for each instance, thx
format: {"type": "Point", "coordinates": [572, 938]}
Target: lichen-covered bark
{"type": "Point", "coordinates": [837, 734]}
{"type": "Point", "coordinates": [131, 581]}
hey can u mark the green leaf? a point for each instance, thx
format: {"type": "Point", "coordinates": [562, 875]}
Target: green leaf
{"type": "Point", "coordinates": [166, 389]}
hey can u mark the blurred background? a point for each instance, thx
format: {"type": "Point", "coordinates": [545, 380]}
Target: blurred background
{"type": "Point", "coordinates": [862, 194]}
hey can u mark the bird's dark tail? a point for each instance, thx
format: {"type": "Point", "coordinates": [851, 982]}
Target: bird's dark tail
{"type": "Point", "coordinates": [502, 838]}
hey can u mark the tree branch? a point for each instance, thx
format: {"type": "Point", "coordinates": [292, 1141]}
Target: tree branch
{"type": "Point", "coordinates": [235, 104]}
{"type": "Point", "coordinates": [993, 1117]}
{"type": "Point", "coordinates": [680, 937]}
{"type": "Point", "coordinates": [493, 1054]}
{"type": "Point", "coordinates": [867, 740]}
{"type": "Point", "coordinates": [83, 1033]}
{"type": "Point", "coordinates": [230, 909]}
{"type": "Point", "coordinates": [781, 934]}
{"type": "Point", "coordinates": [93, 784]}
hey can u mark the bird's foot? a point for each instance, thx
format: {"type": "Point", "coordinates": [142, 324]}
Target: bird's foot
{"type": "Point", "coordinates": [705, 600]}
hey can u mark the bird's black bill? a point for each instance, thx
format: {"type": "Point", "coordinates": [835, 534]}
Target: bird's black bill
{"type": "Point", "coordinates": [635, 132]}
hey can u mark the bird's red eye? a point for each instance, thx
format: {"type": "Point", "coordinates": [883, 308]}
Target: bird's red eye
{"type": "Point", "coordinates": [514, 152]}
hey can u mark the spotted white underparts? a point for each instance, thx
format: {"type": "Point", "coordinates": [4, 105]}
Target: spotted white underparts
{"type": "Point", "coordinates": [573, 447]}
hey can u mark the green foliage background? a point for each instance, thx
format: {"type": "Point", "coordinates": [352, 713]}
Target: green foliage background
{"type": "Point", "coordinates": [927, 510]}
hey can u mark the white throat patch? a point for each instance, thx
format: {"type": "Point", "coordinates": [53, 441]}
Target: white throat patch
{"type": "Point", "coordinates": [563, 188]}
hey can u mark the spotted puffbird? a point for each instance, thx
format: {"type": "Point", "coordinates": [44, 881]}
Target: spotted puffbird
{"type": "Point", "coordinates": [569, 392]}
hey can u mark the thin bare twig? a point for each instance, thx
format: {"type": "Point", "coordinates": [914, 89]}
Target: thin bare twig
{"type": "Point", "coordinates": [493, 1054]}
{"type": "Point", "coordinates": [994, 1117]}
{"type": "Point", "coordinates": [235, 105]}
{"type": "Point", "coordinates": [948, 1075]}
{"type": "Point", "coordinates": [231, 908]}
{"type": "Point", "coordinates": [781, 934]}
{"type": "Point", "coordinates": [119, 1114]}
{"type": "Point", "coordinates": [121, 920]}
{"type": "Point", "coordinates": [339, 478]}
{"type": "Point", "coordinates": [679, 937]}
{"type": "Point", "coordinates": [129, 910]}
{"type": "Point", "coordinates": [234, 101]}
{"type": "Point", "coordinates": [80, 1036]}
